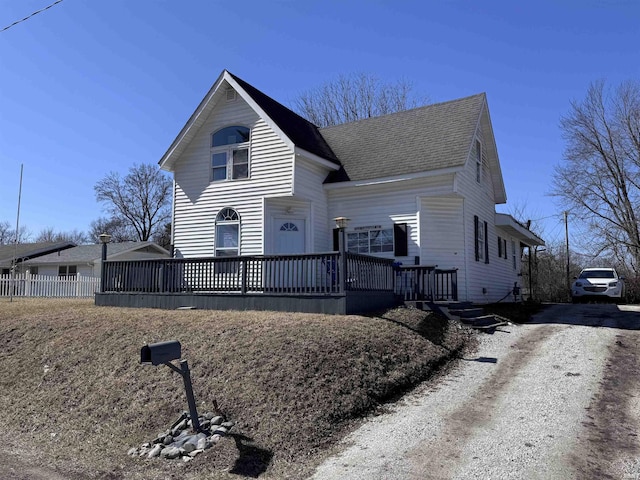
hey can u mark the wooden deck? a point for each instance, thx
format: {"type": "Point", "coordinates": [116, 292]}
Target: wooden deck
{"type": "Point", "coordinates": [322, 282]}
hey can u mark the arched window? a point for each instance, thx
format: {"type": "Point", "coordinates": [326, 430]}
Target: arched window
{"type": "Point", "coordinates": [289, 227]}
{"type": "Point", "coordinates": [230, 153]}
{"type": "Point", "coordinates": [227, 233]}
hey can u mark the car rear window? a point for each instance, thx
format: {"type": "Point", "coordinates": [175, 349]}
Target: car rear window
{"type": "Point", "coordinates": [597, 274]}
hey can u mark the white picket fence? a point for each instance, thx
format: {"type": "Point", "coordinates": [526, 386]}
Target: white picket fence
{"type": "Point", "coordinates": [27, 285]}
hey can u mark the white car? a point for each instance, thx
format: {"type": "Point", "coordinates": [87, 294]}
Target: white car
{"type": "Point", "coordinates": [598, 283]}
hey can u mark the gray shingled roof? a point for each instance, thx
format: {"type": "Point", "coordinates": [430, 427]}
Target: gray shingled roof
{"type": "Point", "coordinates": [24, 251]}
{"type": "Point", "coordinates": [301, 131]}
{"type": "Point", "coordinates": [88, 253]}
{"type": "Point", "coordinates": [427, 138]}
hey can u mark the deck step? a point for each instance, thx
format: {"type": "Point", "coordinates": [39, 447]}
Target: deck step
{"type": "Point", "coordinates": [481, 320]}
{"type": "Point", "coordinates": [469, 312]}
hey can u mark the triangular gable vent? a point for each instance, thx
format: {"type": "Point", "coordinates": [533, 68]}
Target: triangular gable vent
{"type": "Point", "coordinates": [231, 95]}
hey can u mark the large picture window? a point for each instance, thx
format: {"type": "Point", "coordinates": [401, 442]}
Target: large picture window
{"type": "Point", "coordinates": [230, 153]}
{"type": "Point", "coordinates": [370, 241]}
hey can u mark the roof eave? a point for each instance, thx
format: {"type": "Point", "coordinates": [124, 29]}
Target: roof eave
{"type": "Point", "coordinates": [514, 228]}
{"type": "Point", "coordinates": [394, 178]}
{"type": "Point", "coordinates": [168, 160]}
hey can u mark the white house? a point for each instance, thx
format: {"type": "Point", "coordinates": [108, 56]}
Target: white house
{"type": "Point", "coordinates": [251, 177]}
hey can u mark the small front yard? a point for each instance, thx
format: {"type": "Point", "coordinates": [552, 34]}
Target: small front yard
{"type": "Point", "coordinates": [75, 397]}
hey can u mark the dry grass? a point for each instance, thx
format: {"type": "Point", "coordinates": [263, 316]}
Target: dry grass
{"type": "Point", "coordinates": [75, 397]}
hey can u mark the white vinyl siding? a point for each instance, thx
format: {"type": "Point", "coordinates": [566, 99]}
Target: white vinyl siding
{"type": "Point", "coordinates": [483, 282]}
{"type": "Point", "coordinates": [442, 235]}
{"type": "Point", "coordinates": [386, 204]}
{"type": "Point", "coordinates": [52, 270]}
{"type": "Point", "coordinates": [197, 200]}
{"type": "Point", "coordinates": [308, 179]}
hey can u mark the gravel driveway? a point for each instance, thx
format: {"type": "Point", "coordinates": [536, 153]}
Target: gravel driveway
{"type": "Point", "coordinates": [558, 398]}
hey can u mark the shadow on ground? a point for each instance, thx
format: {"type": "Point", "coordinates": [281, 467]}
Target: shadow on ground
{"type": "Point", "coordinates": [252, 460]}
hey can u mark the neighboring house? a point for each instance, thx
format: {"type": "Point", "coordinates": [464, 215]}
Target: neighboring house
{"type": "Point", "coordinates": [419, 186]}
{"type": "Point", "coordinates": [86, 260]}
{"type": "Point", "coordinates": [22, 252]}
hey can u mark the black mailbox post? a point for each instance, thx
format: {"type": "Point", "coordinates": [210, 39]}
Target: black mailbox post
{"type": "Point", "coordinates": [162, 353]}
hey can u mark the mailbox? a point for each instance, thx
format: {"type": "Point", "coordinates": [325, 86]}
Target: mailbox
{"type": "Point", "coordinates": [159, 353]}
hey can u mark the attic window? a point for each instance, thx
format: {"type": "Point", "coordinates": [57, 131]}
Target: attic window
{"type": "Point", "coordinates": [230, 153]}
{"type": "Point", "coordinates": [478, 156]}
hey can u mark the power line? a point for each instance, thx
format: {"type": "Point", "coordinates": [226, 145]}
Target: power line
{"type": "Point", "coordinates": [29, 16]}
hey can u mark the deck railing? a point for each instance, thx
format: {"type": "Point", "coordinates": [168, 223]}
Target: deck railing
{"type": "Point", "coordinates": [295, 274]}
{"type": "Point", "coordinates": [420, 282]}
{"type": "Point", "coordinates": [318, 273]}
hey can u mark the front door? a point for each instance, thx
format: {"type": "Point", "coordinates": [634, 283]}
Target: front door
{"type": "Point", "coordinates": [290, 236]}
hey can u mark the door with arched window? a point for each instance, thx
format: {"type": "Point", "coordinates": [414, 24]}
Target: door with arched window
{"type": "Point", "coordinates": [289, 236]}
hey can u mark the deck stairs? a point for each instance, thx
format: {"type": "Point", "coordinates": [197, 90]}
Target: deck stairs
{"type": "Point", "coordinates": [465, 312]}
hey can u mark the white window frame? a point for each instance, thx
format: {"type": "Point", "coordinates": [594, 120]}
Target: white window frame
{"type": "Point", "coordinates": [356, 241]}
{"type": "Point", "coordinates": [481, 239]}
{"type": "Point", "coordinates": [230, 150]}
{"type": "Point", "coordinates": [227, 217]}
{"type": "Point", "coordinates": [478, 155]}
{"type": "Point", "coordinates": [64, 271]}
{"type": "Point", "coordinates": [513, 248]}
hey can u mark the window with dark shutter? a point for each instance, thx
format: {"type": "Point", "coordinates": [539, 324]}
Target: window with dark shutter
{"type": "Point", "coordinates": [400, 237]}
{"type": "Point", "coordinates": [336, 239]}
{"type": "Point", "coordinates": [499, 247]}
{"type": "Point", "coordinates": [486, 242]}
{"type": "Point", "coordinates": [476, 233]}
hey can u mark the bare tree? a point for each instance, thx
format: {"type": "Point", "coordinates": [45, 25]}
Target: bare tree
{"type": "Point", "coordinates": [354, 97]}
{"type": "Point", "coordinates": [599, 180]}
{"type": "Point", "coordinates": [117, 227]}
{"type": "Point", "coordinates": [163, 237]}
{"type": "Point", "coordinates": [8, 234]}
{"type": "Point", "coordinates": [50, 235]}
{"type": "Point", "coordinates": [141, 199]}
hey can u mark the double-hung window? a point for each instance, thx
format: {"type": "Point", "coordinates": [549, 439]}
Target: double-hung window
{"type": "Point", "coordinates": [481, 229]}
{"type": "Point", "coordinates": [67, 271]}
{"type": "Point", "coordinates": [502, 247]}
{"type": "Point", "coordinates": [230, 153]}
{"type": "Point", "coordinates": [478, 156]}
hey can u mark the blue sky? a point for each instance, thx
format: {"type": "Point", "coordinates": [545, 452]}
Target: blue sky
{"type": "Point", "coordinates": [89, 87]}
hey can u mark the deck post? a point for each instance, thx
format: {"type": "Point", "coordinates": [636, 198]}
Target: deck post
{"type": "Point", "coordinates": [341, 225]}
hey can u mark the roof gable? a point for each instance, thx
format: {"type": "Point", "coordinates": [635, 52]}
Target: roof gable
{"type": "Point", "coordinates": [428, 138]}
{"type": "Point", "coordinates": [491, 152]}
{"type": "Point", "coordinates": [297, 131]}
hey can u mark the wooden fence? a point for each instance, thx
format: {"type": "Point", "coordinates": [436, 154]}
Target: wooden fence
{"type": "Point", "coordinates": [27, 285]}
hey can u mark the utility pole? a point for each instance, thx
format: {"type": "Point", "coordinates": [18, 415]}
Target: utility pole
{"type": "Point", "coordinates": [566, 234]}
{"type": "Point", "coordinates": [14, 262]}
